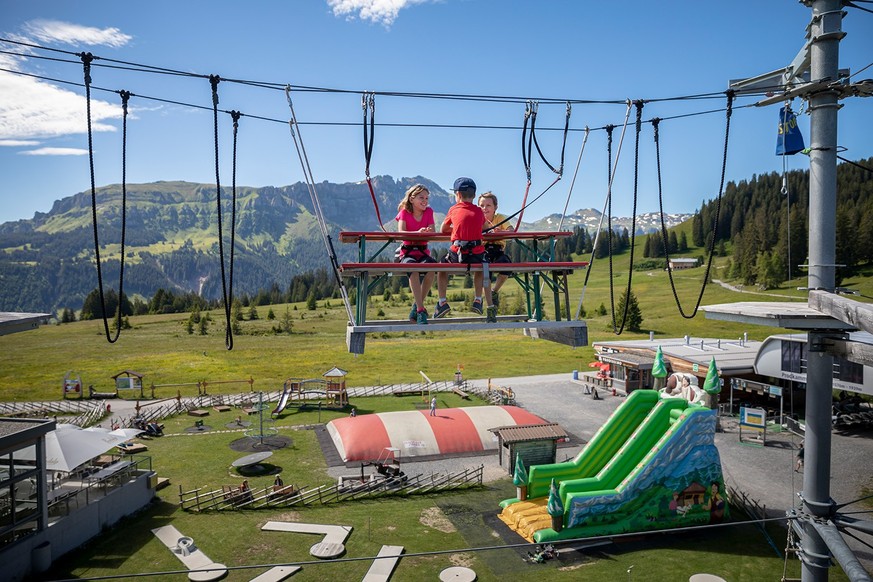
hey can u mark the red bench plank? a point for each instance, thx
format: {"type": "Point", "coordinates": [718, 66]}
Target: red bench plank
{"type": "Point", "coordinates": [460, 268]}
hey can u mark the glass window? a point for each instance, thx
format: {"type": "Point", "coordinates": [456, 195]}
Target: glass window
{"type": "Point", "coordinates": [847, 371]}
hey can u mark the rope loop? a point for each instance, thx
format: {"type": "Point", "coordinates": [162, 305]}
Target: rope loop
{"type": "Point", "coordinates": [125, 97]}
{"type": "Point", "coordinates": [214, 80]}
{"type": "Point", "coordinates": [86, 62]}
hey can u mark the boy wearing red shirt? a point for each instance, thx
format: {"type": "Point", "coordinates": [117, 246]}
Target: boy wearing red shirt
{"type": "Point", "coordinates": [464, 221]}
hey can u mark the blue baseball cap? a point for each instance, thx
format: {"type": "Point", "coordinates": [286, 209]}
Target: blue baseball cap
{"type": "Point", "coordinates": [464, 184]}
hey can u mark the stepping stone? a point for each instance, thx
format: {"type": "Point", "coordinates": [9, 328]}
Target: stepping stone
{"type": "Point", "coordinates": [384, 564]}
{"type": "Point", "coordinates": [183, 547]}
{"type": "Point", "coordinates": [277, 574]}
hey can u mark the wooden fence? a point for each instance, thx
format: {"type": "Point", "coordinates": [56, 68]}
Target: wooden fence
{"type": "Point", "coordinates": [230, 498]}
{"type": "Point", "coordinates": [78, 412]}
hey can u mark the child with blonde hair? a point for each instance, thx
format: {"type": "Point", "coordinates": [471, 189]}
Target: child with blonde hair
{"type": "Point", "coordinates": [414, 215]}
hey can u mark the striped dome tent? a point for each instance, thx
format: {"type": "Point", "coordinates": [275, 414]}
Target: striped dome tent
{"type": "Point", "coordinates": [417, 434]}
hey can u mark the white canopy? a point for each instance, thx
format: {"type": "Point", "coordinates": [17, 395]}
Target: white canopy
{"type": "Point", "coordinates": [69, 447]}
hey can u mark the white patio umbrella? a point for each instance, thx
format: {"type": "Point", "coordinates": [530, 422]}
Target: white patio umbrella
{"type": "Point", "coordinates": [69, 447]}
{"type": "Point", "coordinates": [125, 433]}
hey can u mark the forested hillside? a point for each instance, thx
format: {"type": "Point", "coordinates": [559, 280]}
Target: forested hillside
{"type": "Point", "coordinates": [754, 220]}
{"type": "Point", "coordinates": [47, 263]}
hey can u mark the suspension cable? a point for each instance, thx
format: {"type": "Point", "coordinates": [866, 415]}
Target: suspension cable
{"type": "Point", "coordinates": [630, 272]}
{"type": "Point", "coordinates": [528, 141]}
{"type": "Point", "coordinates": [368, 104]}
{"type": "Point", "coordinates": [87, 59]}
{"type": "Point", "coordinates": [316, 205]}
{"type": "Point", "coordinates": [714, 235]}
{"type": "Point", "coordinates": [573, 181]}
{"type": "Point", "coordinates": [611, 175]}
{"type": "Point", "coordinates": [227, 293]}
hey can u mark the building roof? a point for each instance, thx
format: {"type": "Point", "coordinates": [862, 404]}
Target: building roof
{"type": "Point", "coordinates": [335, 373]}
{"type": "Point", "coordinates": [634, 360]}
{"type": "Point", "coordinates": [11, 322]}
{"type": "Point", "coordinates": [731, 356]}
{"type": "Point", "coordinates": [530, 432]}
{"type": "Point", "coordinates": [16, 431]}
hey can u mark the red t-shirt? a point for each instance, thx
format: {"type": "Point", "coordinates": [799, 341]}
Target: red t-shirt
{"type": "Point", "coordinates": [467, 221]}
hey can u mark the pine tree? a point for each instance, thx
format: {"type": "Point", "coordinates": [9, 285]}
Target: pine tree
{"type": "Point", "coordinates": [634, 319]}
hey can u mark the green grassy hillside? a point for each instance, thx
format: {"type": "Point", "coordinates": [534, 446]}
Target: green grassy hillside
{"type": "Point", "coordinates": [159, 346]}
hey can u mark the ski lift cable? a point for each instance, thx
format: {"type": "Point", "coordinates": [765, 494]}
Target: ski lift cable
{"type": "Point", "coordinates": [573, 181]}
{"type": "Point", "coordinates": [353, 123]}
{"type": "Point", "coordinates": [527, 144]}
{"type": "Point", "coordinates": [785, 191]}
{"type": "Point", "coordinates": [728, 111]}
{"type": "Point", "coordinates": [638, 104]}
{"type": "Point", "coordinates": [87, 59]}
{"type": "Point", "coordinates": [227, 293]}
{"type": "Point", "coordinates": [313, 194]}
{"type": "Point", "coordinates": [606, 203]}
{"type": "Point", "coordinates": [139, 67]}
{"type": "Point", "coordinates": [368, 104]}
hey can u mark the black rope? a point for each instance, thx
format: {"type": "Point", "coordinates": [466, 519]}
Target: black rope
{"type": "Point", "coordinates": [560, 169]}
{"type": "Point", "coordinates": [714, 236]}
{"type": "Point", "coordinates": [639, 104]}
{"type": "Point", "coordinates": [235, 115]}
{"type": "Point", "coordinates": [284, 122]}
{"type": "Point", "coordinates": [140, 67]}
{"type": "Point", "coordinates": [227, 294]}
{"type": "Point", "coordinates": [609, 130]}
{"type": "Point", "coordinates": [527, 143]}
{"type": "Point", "coordinates": [87, 59]}
{"type": "Point", "coordinates": [368, 104]}
{"type": "Point", "coordinates": [526, 149]}
{"type": "Point", "coordinates": [865, 168]}
{"type": "Point", "coordinates": [125, 97]}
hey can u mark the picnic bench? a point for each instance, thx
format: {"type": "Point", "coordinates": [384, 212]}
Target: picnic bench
{"type": "Point", "coordinates": [533, 277]}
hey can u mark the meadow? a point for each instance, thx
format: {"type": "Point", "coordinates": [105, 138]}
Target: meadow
{"type": "Point", "coordinates": [159, 346]}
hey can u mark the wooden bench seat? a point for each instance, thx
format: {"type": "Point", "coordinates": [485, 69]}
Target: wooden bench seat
{"type": "Point", "coordinates": [357, 236]}
{"type": "Point", "coordinates": [536, 267]}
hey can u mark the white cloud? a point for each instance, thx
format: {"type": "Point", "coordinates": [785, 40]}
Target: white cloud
{"type": "Point", "coordinates": [31, 108]}
{"type": "Point", "coordinates": [381, 11]}
{"type": "Point", "coordinates": [11, 143]}
{"type": "Point", "coordinates": [69, 33]}
{"type": "Point", "coordinates": [56, 152]}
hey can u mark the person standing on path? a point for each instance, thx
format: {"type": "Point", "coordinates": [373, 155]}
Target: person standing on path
{"type": "Point", "coordinates": [433, 406]}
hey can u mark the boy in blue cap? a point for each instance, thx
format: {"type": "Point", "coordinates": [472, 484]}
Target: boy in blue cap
{"type": "Point", "coordinates": [464, 221]}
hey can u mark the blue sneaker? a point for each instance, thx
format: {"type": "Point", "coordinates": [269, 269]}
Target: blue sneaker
{"type": "Point", "coordinates": [477, 306]}
{"type": "Point", "coordinates": [413, 313]}
{"type": "Point", "coordinates": [422, 317]}
{"type": "Point", "coordinates": [441, 310]}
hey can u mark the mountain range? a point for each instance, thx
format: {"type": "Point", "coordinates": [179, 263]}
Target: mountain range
{"type": "Point", "coordinates": [172, 242]}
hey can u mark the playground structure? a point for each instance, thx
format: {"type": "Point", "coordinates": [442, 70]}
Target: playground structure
{"type": "Point", "coordinates": [306, 392]}
{"type": "Point", "coordinates": [264, 428]}
{"type": "Point", "coordinates": [652, 465]}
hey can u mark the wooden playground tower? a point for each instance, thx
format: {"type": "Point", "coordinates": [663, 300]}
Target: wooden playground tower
{"type": "Point", "coordinates": [333, 388]}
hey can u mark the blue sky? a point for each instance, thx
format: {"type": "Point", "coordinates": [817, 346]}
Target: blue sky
{"type": "Point", "coordinates": [549, 49]}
